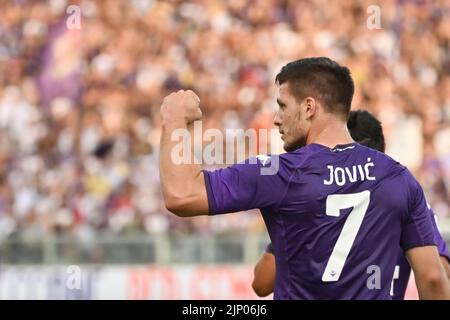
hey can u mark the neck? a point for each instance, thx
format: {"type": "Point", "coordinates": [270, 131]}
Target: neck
{"type": "Point", "coordinates": [330, 132]}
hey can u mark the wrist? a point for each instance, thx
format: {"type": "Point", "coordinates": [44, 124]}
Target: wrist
{"type": "Point", "coordinates": [173, 123]}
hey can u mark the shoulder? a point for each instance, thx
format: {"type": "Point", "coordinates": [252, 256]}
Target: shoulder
{"type": "Point", "coordinates": [300, 157]}
{"type": "Point", "coordinates": [284, 162]}
{"type": "Point", "coordinates": [388, 165]}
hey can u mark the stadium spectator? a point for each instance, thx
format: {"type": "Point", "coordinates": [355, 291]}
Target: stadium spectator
{"type": "Point", "coordinates": [65, 94]}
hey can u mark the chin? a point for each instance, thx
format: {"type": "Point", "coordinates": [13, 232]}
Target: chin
{"type": "Point", "coordinates": [289, 147]}
{"type": "Point", "coordinates": [286, 147]}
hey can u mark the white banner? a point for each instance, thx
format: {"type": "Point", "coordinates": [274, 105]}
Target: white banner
{"type": "Point", "coordinates": [126, 282]}
{"type": "Point", "coordinates": [193, 282]}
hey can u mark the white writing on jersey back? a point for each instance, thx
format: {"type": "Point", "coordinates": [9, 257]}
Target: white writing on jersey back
{"type": "Point", "coordinates": [341, 176]}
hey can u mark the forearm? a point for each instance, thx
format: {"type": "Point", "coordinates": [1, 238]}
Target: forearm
{"type": "Point", "coordinates": [182, 183]}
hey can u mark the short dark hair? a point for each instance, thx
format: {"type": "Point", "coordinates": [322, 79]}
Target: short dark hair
{"type": "Point", "coordinates": [321, 78]}
{"type": "Point", "coordinates": [366, 129]}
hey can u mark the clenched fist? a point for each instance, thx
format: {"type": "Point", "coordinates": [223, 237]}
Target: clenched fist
{"type": "Point", "coordinates": [183, 105]}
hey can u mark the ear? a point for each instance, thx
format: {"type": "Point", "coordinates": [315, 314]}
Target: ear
{"type": "Point", "coordinates": [309, 107]}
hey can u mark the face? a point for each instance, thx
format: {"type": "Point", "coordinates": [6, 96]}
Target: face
{"type": "Point", "coordinates": [291, 119]}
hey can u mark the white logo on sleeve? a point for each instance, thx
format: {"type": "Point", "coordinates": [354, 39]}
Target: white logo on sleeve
{"type": "Point", "coordinates": [263, 159]}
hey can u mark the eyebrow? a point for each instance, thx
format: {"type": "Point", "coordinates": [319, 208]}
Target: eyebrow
{"type": "Point", "coordinates": [280, 103]}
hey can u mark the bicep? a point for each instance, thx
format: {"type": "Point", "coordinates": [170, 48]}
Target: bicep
{"type": "Point", "coordinates": [199, 204]}
{"type": "Point", "coordinates": [423, 259]}
{"type": "Point", "coordinates": [441, 245]}
{"type": "Point", "coordinates": [431, 280]}
{"type": "Point", "coordinates": [194, 202]}
{"type": "Point", "coordinates": [428, 270]}
{"type": "Point", "coordinates": [446, 265]}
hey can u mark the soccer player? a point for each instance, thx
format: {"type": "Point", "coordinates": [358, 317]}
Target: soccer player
{"type": "Point", "coordinates": [332, 207]}
{"type": "Point", "coordinates": [366, 130]}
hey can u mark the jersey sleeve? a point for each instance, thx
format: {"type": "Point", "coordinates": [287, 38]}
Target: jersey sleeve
{"type": "Point", "coordinates": [417, 226]}
{"type": "Point", "coordinates": [254, 183]}
{"type": "Point", "coordinates": [442, 246]}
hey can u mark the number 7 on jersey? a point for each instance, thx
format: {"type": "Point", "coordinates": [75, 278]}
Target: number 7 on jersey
{"type": "Point", "coordinates": [335, 203]}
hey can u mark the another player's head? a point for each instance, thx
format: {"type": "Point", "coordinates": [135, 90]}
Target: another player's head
{"type": "Point", "coordinates": [366, 129]}
{"type": "Point", "coordinates": [310, 90]}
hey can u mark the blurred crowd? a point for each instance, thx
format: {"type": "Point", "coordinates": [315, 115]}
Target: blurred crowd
{"type": "Point", "coordinates": [79, 107]}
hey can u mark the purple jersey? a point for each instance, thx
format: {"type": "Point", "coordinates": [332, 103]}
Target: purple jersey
{"type": "Point", "coordinates": [332, 217]}
{"type": "Point", "coordinates": [403, 269]}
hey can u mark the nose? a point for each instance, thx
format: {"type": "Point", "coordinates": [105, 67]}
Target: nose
{"type": "Point", "coordinates": [277, 119]}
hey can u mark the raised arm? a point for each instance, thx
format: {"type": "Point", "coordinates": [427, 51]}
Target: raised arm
{"type": "Point", "coordinates": [183, 184]}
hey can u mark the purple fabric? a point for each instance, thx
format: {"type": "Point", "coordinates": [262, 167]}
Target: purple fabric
{"type": "Point", "coordinates": [50, 87]}
{"type": "Point", "coordinates": [293, 205]}
{"type": "Point", "coordinates": [400, 284]}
